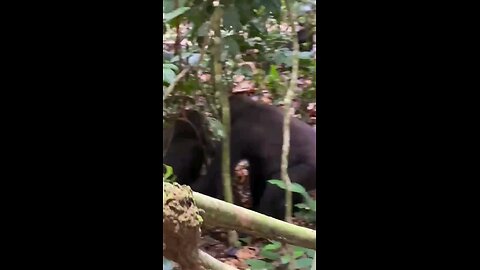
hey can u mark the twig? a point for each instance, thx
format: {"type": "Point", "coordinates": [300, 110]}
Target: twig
{"type": "Point", "coordinates": [174, 83]}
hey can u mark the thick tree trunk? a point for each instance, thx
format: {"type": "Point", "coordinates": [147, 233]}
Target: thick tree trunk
{"type": "Point", "coordinates": [181, 226]}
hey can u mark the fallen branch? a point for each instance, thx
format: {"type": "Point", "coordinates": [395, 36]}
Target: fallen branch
{"type": "Point", "coordinates": [212, 263]}
{"type": "Point", "coordinates": [229, 216]}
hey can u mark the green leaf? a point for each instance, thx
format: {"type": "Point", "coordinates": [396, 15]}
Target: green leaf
{"type": "Point", "coordinates": [270, 255]}
{"type": "Point", "coordinates": [258, 264]}
{"type": "Point", "coordinates": [298, 254]}
{"type": "Point", "coordinates": [274, 75]}
{"type": "Point", "coordinates": [231, 20]}
{"type": "Point", "coordinates": [198, 15]}
{"type": "Point", "coordinates": [310, 253]}
{"type": "Point", "coordinates": [284, 259]}
{"type": "Point", "coordinates": [169, 5]}
{"type": "Point", "coordinates": [275, 245]}
{"type": "Point", "coordinates": [294, 187]}
{"type": "Point", "coordinates": [280, 58]}
{"type": "Point", "coordinates": [297, 248]}
{"type": "Point", "coordinates": [170, 66]}
{"type": "Point", "coordinates": [305, 55]}
{"type": "Point", "coordinates": [168, 75]}
{"type": "Point", "coordinates": [233, 48]}
{"type": "Point", "coordinates": [311, 203]}
{"type": "Point", "coordinates": [169, 171]}
{"type": "Point", "coordinates": [303, 262]}
{"type": "Point", "coordinates": [273, 6]}
{"type": "Point", "coordinates": [172, 15]}
{"type": "Point", "coordinates": [302, 206]}
{"type": "Point", "coordinates": [278, 183]}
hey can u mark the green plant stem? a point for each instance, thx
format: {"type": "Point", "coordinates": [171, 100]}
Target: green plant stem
{"type": "Point", "coordinates": [174, 83]}
{"type": "Point", "coordinates": [286, 124]}
{"type": "Point", "coordinates": [287, 116]}
{"type": "Point", "coordinates": [217, 67]}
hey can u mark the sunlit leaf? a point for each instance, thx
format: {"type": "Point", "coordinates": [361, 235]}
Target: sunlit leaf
{"type": "Point", "coordinates": [302, 206]}
{"type": "Point", "coordinates": [169, 171]}
{"type": "Point", "coordinates": [298, 253]}
{"type": "Point", "coordinates": [295, 187]}
{"type": "Point", "coordinates": [275, 245]}
{"type": "Point", "coordinates": [274, 75]}
{"type": "Point", "coordinates": [285, 259]}
{"type": "Point", "coordinates": [170, 66]}
{"type": "Point", "coordinates": [168, 75]}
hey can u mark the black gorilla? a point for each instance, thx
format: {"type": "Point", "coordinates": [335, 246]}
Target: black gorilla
{"type": "Point", "coordinates": [256, 135]}
{"type": "Point", "coordinates": [187, 146]}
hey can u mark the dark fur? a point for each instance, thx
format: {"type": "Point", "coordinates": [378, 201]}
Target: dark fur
{"type": "Point", "coordinates": [256, 135]}
{"type": "Point", "coordinates": [188, 146]}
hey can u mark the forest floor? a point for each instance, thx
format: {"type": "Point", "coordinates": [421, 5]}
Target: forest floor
{"type": "Point", "coordinates": [215, 243]}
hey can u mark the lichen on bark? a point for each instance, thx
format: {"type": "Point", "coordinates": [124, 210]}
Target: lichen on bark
{"type": "Point", "coordinates": [181, 226]}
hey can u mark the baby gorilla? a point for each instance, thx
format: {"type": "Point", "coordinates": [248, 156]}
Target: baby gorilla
{"type": "Point", "coordinates": [186, 146]}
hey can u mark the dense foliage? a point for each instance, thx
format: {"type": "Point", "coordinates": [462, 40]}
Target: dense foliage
{"type": "Point", "coordinates": [256, 58]}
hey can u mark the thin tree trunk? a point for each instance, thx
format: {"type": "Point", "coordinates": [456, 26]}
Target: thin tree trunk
{"type": "Point", "coordinates": [217, 67]}
{"type": "Point", "coordinates": [286, 124]}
